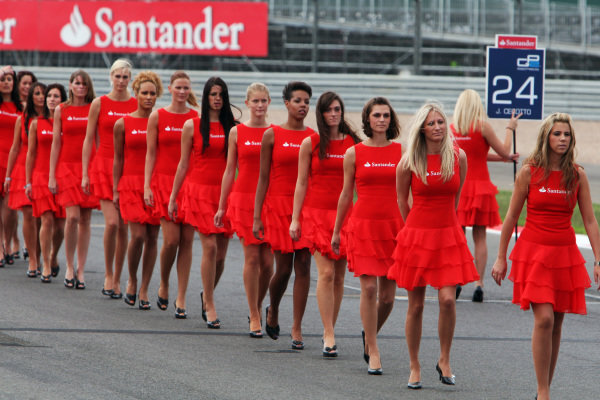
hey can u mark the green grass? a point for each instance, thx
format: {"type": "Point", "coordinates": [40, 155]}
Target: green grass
{"type": "Point", "coordinates": [503, 198]}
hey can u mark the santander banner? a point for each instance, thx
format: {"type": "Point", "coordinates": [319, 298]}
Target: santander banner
{"type": "Point", "coordinates": [203, 28]}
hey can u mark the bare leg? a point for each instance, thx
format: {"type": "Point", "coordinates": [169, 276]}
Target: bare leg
{"type": "Point", "coordinates": [481, 252]}
{"type": "Point", "coordinates": [58, 234]}
{"type": "Point", "coordinates": [134, 254]}
{"type": "Point", "coordinates": [252, 283]}
{"type": "Point", "coordinates": [556, 335]}
{"type": "Point", "coordinates": [184, 262]}
{"type": "Point", "coordinates": [301, 287]}
{"type": "Point", "coordinates": [83, 242]}
{"type": "Point", "coordinates": [413, 329]}
{"type": "Point", "coordinates": [10, 219]}
{"type": "Point", "coordinates": [266, 272]}
{"type": "Point", "coordinates": [115, 245]}
{"type": "Point", "coordinates": [338, 286]}
{"type": "Point", "coordinates": [171, 236]}
{"type": "Point", "coordinates": [71, 223]}
{"type": "Point", "coordinates": [542, 347]}
{"type": "Point", "coordinates": [148, 259]}
{"type": "Point", "coordinates": [278, 284]}
{"type": "Point", "coordinates": [222, 245]}
{"type": "Point", "coordinates": [30, 236]}
{"type": "Point", "coordinates": [325, 296]}
{"type": "Point", "coordinates": [385, 300]}
{"type": "Point", "coordinates": [368, 315]}
{"type": "Point", "coordinates": [45, 238]}
{"type": "Point", "coordinates": [446, 324]}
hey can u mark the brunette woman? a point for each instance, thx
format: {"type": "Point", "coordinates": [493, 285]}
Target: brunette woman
{"type": "Point", "coordinates": [318, 187]}
{"type": "Point", "coordinates": [25, 79]}
{"type": "Point", "coordinates": [374, 221]}
{"type": "Point", "coordinates": [548, 270]}
{"type": "Point", "coordinates": [278, 172]}
{"type": "Point", "coordinates": [128, 185]}
{"type": "Point", "coordinates": [104, 112]}
{"type": "Point", "coordinates": [163, 141]}
{"type": "Point", "coordinates": [243, 152]}
{"type": "Point", "coordinates": [70, 124]}
{"type": "Point", "coordinates": [37, 166]}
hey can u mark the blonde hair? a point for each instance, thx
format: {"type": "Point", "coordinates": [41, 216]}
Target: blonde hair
{"type": "Point", "coordinates": [468, 112]}
{"type": "Point", "coordinates": [416, 155]}
{"type": "Point", "coordinates": [147, 76]}
{"type": "Point", "coordinates": [192, 100]}
{"type": "Point", "coordinates": [257, 87]}
{"type": "Point", "coordinates": [121, 63]}
{"type": "Point", "coordinates": [540, 157]}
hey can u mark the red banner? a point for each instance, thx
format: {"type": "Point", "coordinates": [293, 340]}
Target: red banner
{"type": "Point", "coordinates": [203, 28]}
{"type": "Point", "coordinates": [516, 42]}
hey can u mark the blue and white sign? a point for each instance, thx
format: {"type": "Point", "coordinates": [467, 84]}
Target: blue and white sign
{"type": "Point", "coordinates": [515, 80]}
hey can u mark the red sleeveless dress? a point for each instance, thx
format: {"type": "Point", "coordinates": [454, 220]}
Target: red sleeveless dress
{"type": "Point", "coordinates": [8, 118]}
{"type": "Point", "coordinates": [375, 219]}
{"type": "Point", "coordinates": [477, 204]}
{"type": "Point", "coordinates": [431, 249]}
{"type": "Point", "coordinates": [240, 207]}
{"type": "Point", "coordinates": [201, 189]}
{"type": "Point", "coordinates": [168, 153]}
{"type": "Point", "coordinates": [68, 169]}
{"type": "Point", "coordinates": [279, 202]}
{"type": "Point", "coordinates": [131, 183]}
{"type": "Point", "coordinates": [547, 266]}
{"type": "Point", "coordinates": [324, 187]}
{"type": "Point", "coordinates": [17, 197]}
{"type": "Point", "coordinates": [42, 199]}
{"type": "Point", "coordinates": [101, 168]}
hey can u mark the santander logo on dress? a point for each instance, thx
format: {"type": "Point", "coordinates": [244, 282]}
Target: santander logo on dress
{"type": "Point", "coordinates": [374, 164]}
{"type": "Point", "coordinates": [286, 144]}
{"type": "Point", "coordinates": [138, 132]}
{"type": "Point", "coordinates": [75, 33]}
{"type": "Point", "coordinates": [554, 191]}
{"type": "Point", "coordinates": [251, 143]}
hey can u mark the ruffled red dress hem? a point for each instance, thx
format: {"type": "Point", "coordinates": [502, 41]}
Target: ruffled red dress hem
{"type": "Point", "coordinates": [477, 204]}
{"type": "Point", "coordinates": [317, 227]}
{"type": "Point", "coordinates": [240, 211]}
{"type": "Point", "coordinates": [101, 177]}
{"type": "Point", "coordinates": [17, 198]}
{"type": "Point", "coordinates": [199, 204]}
{"type": "Point", "coordinates": [69, 188]}
{"type": "Point", "coordinates": [278, 217]}
{"type": "Point", "coordinates": [131, 201]}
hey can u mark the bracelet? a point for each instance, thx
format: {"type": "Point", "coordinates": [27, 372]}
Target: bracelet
{"type": "Point", "coordinates": [510, 129]}
{"type": "Point", "coordinates": [7, 179]}
{"type": "Point", "coordinates": [27, 186]}
{"type": "Point", "coordinates": [596, 263]}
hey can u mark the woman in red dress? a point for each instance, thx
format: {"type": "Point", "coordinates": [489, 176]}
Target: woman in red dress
{"type": "Point", "coordinates": [477, 206]}
{"type": "Point", "coordinates": [70, 123]}
{"type": "Point", "coordinates": [237, 201]}
{"type": "Point", "coordinates": [318, 188]}
{"type": "Point", "coordinates": [431, 249]}
{"type": "Point", "coordinates": [14, 183]}
{"type": "Point", "coordinates": [128, 185]}
{"type": "Point", "coordinates": [25, 79]}
{"type": "Point", "coordinates": [98, 179]}
{"type": "Point", "coordinates": [163, 141]}
{"type": "Point", "coordinates": [374, 221]}
{"type": "Point", "coordinates": [278, 172]}
{"type": "Point", "coordinates": [10, 109]}
{"type": "Point", "coordinates": [207, 137]}
{"type": "Point", "coordinates": [548, 270]}
{"type": "Point", "coordinates": [37, 166]}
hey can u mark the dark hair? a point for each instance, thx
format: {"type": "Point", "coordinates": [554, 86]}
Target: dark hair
{"type": "Point", "coordinates": [293, 86]}
{"type": "Point", "coordinates": [393, 130]}
{"type": "Point", "coordinates": [323, 104]}
{"type": "Point", "coordinates": [14, 95]}
{"type": "Point", "coordinates": [30, 111]}
{"type": "Point", "coordinates": [63, 97]}
{"type": "Point", "coordinates": [226, 117]}
{"type": "Point", "coordinates": [85, 77]}
{"type": "Point", "coordinates": [22, 74]}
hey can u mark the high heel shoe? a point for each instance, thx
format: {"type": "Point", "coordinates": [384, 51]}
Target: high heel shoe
{"type": "Point", "coordinates": [179, 312]}
{"type": "Point", "coordinates": [329, 352]}
{"type": "Point", "coordinates": [446, 380]}
{"type": "Point", "coordinates": [365, 355]}
{"type": "Point", "coordinates": [257, 334]}
{"type": "Point", "coordinates": [414, 385]}
{"type": "Point", "coordinates": [129, 299]}
{"type": "Point", "coordinates": [8, 259]}
{"type": "Point", "coordinates": [25, 253]}
{"type": "Point", "coordinates": [272, 331]}
{"type": "Point", "coordinates": [375, 371]}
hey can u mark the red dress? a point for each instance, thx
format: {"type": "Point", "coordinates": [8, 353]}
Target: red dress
{"type": "Point", "coordinates": [477, 204]}
{"type": "Point", "coordinates": [17, 198]}
{"type": "Point", "coordinates": [279, 202]}
{"type": "Point", "coordinates": [131, 183]}
{"type": "Point", "coordinates": [375, 218]}
{"type": "Point", "coordinates": [324, 187]}
{"type": "Point", "coordinates": [8, 118]}
{"type": "Point", "coordinates": [240, 208]}
{"type": "Point", "coordinates": [547, 266]}
{"type": "Point", "coordinates": [201, 189]}
{"type": "Point", "coordinates": [168, 153]}
{"type": "Point", "coordinates": [431, 249]}
{"type": "Point", "coordinates": [68, 169]}
{"type": "Point", "coordinates": [42, 199]}
{"type": "Point", "coordinates": [101, 168]}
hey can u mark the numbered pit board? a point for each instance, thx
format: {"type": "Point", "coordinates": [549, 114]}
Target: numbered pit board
{"type": "Point", "coordinates": [515, 80]}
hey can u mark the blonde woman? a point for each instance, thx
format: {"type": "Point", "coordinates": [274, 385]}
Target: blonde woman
{"type": "Point", "coordinates": [477, 206]}
{"type": "Point", "coordinates": [431, 249]}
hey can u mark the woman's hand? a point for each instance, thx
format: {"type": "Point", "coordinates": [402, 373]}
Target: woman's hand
{"type": "Point", "coordinates": [6, 184]}
{"type": "Point", "coordinates": [148, 197]}
{"type": "Point", "coordinates": [514, 121]}
{"type": "Point", "coordinates": [85, 184]}
{"type": "Point", "coordinates": [218, 220]}
{"type": "Point", "coordinates": [172, 210]}
{"type": "Point", "coordinates": [116, 199]}
{"type": "Point", "coordinates": [295, 230]}
{"type": "Point", "coordinates": [335, 242]}
{"type": "Point", "coordinates": [28, 191]}
{"type": "Point", "coordinates": [258, 230]}
{"type": "Point", "coordinates": [499, 271]}
{"type": "Point", "coordinates": [52, 186]}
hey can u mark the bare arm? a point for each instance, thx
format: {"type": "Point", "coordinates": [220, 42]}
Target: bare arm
{"type": "Point", "coordinates": [346, 197]}
{"type": "Point", "coordinates": [187, 136]}
{"type": "Point", "coordinates": [512, 216]}
{"type": "Point", "coordinates": [14, 152]}
{"type": "Point", "coordinates": [90, 135]}
{"type": "Point", "coordinates": [503, 149]}
{"type": "Point", "coordinates": [151, 143]}
{"type": "Point", "coordinates": [31, 154]}
{"type": "Point", "coordinates": [462, 164]}
{"type": "Point", "coordinates": [119, 143]}
{"type": "Point", "coordinates": [403, 179]}
{"type": "Point", "coordinates": [304, 161]}
{"type": "Point", "coordinates": [55, 150]}
{"type": "Point", "coordinates": [266, 154]}
{"type": "Point", "coordinates": [228, 177]}
{"type": "Point", "coordinates": [584, 199]}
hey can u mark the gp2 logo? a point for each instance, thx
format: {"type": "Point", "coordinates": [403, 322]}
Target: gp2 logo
{"type": "Point", "coordinates": [531, 61]}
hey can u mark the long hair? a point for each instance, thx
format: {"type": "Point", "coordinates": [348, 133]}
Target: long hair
{"type": "Point", "coordinates": [417, 147]}
{"type": "Point", "coordinates": [147, 76]}
{"type": "Point", "coordinates": [91, 95]}
{"type": "Point", "coordinates": [226, 117]}
{"type": "Point", "coordinates": [22, 74]}
{"type": "Point", "coordinates": [30, 112]}
{"type": "Point", "coordinates": [468, 112]}
{"type": "Point", "coordinates": [14, 94]}
{"type": "Point", "coordinates": [540, 157]}
{"type": "Point", "coordinates": [323, 104]}
{"type": "Point", "coordinates": [63, 97]}
{"type": "Point", "coordinates": [191, 97]}
{"type": "Point", "coordinates": [393, 130]}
